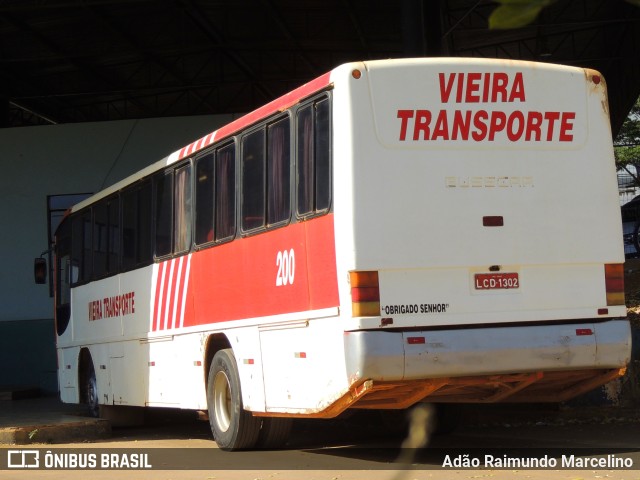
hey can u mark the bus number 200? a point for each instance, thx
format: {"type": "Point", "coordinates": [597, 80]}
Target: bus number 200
{"type": "Point", "coordinates": [286, 263]}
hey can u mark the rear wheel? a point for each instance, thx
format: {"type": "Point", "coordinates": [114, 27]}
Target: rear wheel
{"type": "Point", "coordinates": [233, 427]}
{"type": "Point", "coordinates": [447, 418]}
{"type": "Point", "coordinates": [274, 432]}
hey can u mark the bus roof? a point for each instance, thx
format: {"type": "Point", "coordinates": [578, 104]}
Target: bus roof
{"type": "Point", "coordinates": [278, 105]}
{"type": "Point", "coordinates": [282, 103]}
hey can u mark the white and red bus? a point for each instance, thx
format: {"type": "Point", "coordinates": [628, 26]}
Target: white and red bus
{"type": "Point", "coordinates": [392, 232]}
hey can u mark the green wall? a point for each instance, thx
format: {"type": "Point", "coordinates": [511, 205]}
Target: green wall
{"type": "Point", "coordinates": [28, 355]}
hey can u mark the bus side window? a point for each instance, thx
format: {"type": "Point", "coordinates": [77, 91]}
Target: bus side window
{"type": "Point", "coordinates": [136, 226]}
{"type": "Point", "coordinates": [314, 158]}
{"type": "Point", "coordinates": [113, 236]}
{"type": "Point", "coordinates": [163, 196]}
{"type": "Point", "coordinates": [65, 277]}
{"type": "Point", "coordinates": [216, 195]}
{"type": "Point", "coordinates": [129, 210]}
{"type": "Point", "coordinates": [323, 155]}
{"type": "Point", "coordinates": [100, 236]}
{"type": "Point", "coordinates": [253, 180]}
{"type": "Point", "coordinates": [278, 171]}
{"type": "Point", "coordinates": [182, 209]}
{"type": "Point", "coordinates": [144, 251]}
{"type": "Point", "coordinates": [81, 248]}
{"type": "Point", "coordinates": [204, 199]}
{"type": "Point", "coordinates": [225, 194]}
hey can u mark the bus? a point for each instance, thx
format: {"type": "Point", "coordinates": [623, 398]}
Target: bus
{"type": "Point", "coordinates": [392, 232]}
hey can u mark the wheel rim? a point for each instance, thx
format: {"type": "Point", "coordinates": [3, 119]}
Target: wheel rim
{"type": "Point", "coordinates": [222, 401]}
{"type": "Point", "coordinates": [92, 395]}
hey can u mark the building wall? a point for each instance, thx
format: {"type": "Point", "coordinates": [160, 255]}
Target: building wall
{"type": "Point", "coordinates": [53, 160]}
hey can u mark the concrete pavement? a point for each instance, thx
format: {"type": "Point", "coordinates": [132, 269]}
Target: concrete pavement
{"type": "Point", "coordinates": [47, 420]}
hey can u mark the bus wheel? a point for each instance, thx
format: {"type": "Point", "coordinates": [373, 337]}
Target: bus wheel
{"type": "Point", "coordinates": [92, 394]}
{"type": "Point", "coordinates": [89, 385]}
{"type": "Point", "coordinates": [233, 427]}
{"type": "Point", "coordinates": [274, 432]}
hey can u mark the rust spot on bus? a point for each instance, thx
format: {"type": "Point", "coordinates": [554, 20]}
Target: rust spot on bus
{"type": "Point", "coordinates": [597, 85]}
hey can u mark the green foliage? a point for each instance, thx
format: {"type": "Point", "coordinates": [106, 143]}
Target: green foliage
{"type": "Point", "coordinates": [626, 146]}
{"type": "Point", "coordinates": [517, 13]}
{"type": "Point", "coordinates": [627, 143]}
{"type": "Point", "coordinates": [520, 13]}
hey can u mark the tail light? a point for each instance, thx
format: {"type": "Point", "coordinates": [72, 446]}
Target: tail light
{"type": "Point", "coordinates": [614, 283]}
{"type": "Point", "coordinates": [365, 294]}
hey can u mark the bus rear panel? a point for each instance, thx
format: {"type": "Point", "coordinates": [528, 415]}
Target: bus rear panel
{"type": "Point", "coordinates": [483, 234]}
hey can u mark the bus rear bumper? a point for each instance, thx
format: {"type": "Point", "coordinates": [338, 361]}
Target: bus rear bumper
{"type": "Point", "coordinates": [482, 351]}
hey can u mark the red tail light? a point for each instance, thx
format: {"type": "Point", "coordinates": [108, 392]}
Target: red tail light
{"type": "Point", "coordinates": [365, 294]}
{"type": "Point", "coordinates": [614, 283]}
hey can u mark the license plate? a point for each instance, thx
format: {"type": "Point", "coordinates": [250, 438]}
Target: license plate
{"type": "Point", "coordinates": [496, 281]}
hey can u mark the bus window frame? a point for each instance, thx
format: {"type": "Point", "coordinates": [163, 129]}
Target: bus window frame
{"type": "Point", "coordinates": [62, 311]}
{"type": "Point", "coordinates": [264, 127]}
{"type": "Point", "coordinates": [170, 171]}
{"type": "Point", "coordinates": [80, 262]}
{"type": "Point", "coordinates": [188, 167]}
{"type": "Point", "coordinates": [110, 270]}
{"type": "Point", "coordinates": [135, 189]}
{"type": "Point", "coordinates": [212, 153]}
{"type": "Point", "coordinates": [143, 259]}
{"type": "Point", "coordinates": [314, 212]}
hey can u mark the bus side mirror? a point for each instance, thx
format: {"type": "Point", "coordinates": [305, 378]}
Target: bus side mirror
{"type": "Point", "coordinates": [40, 270]}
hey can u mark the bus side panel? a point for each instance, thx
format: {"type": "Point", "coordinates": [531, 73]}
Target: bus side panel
{"type": "Point", "coordinates": [68, 374]}
{"type": "Point", "coordinates": [303, 366]}
{"type": "Point", "coordinates": [321, 258]}
{"type": "Point", "coordinates": [91, 321]}
{"type": "Point", "coordinates": [266, 275]}
{"type": "Point", "coordinates": [137, 287]}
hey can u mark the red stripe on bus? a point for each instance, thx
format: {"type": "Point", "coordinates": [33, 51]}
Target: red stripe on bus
{"type": "Point", "coordinates": [177, 284]}
{"type": "Point", "coordinates": [182, 281]}
{"type": "Point", "coordinates": [168, 303]}
{"type": "Point", "coordinates": [277, 105]}
{"type": "Point", "coordinates": [184, 295]}
{"type": "Point", "coordinates": [239, 280]}
{"type": "Point", "coordinates": [171, 294]}
{"type": "Point", "coordinates": [158, 301]}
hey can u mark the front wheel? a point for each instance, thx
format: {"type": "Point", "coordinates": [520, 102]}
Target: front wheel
{"type": "Point", "coordinates": [89, 385]}
{"type": "Point", "coordinates": [233, 427]}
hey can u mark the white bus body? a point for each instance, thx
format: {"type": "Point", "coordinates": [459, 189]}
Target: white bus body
{"type": "Point", "coordinates": [471, 251]}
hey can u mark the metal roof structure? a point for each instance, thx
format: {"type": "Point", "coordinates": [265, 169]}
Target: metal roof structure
{"type": "Point", "coordinates": [65, 61]}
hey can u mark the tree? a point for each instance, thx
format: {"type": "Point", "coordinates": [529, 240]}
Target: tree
{"type": "Point", "coordinates": [627, 144]}
{"type": "Point", "coordinates": [519, 13]}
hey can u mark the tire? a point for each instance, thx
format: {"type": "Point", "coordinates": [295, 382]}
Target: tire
{"type": "Point", "coordinates": [233, 427]}
{"type": "Point", "coordinates": [91, 390]}
{"type": "Point", "coordinates": [447, 418]}
{"type": "Point", "coordinates": [274, 432]}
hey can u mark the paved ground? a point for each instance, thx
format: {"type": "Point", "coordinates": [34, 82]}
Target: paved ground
{"type": "Point", "coordinates": [361, 448]}
{"type": "Point", "coordinates": [46, 420]}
